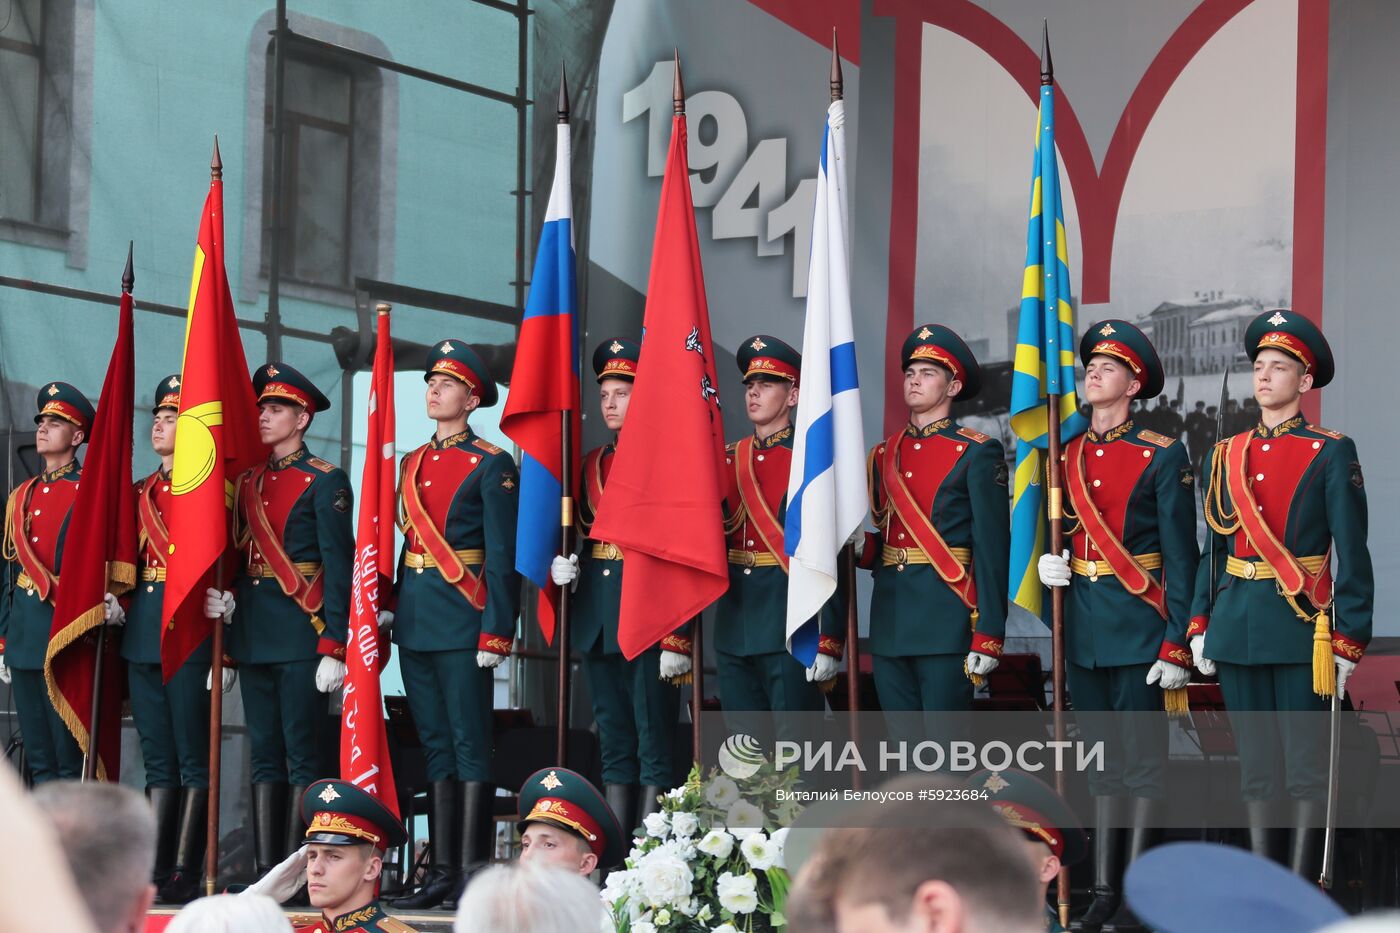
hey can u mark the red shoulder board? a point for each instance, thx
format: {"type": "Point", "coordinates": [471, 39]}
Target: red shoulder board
{"type": "Point", "coordinates": [325, 466]}
{"type": "Point", "coordinates": [486, 445]}
{"type": "Point", "coordinates": [972, 435]}
{"type": "Point", "coordinates": [1325, 432]}
{"type": "Point", "coordinates": [1152, 437]}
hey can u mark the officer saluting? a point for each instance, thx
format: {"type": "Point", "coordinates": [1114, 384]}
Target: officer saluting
{"type": "Point", "coordinates": [1129, 567]}
{"type": "Point", "coordinates": [458, 596]}
{"type": "Point", "coordinates": [1286, 630]}
{"type": "Point", "coordinates": [938, 497]}
{"type": "Point", "coordinates": [756, 672]}
{"type": "Point", "coordinates": [288, 635]}
{"type": "Point", "coordinates": [634, 706]}
{"type": "Point", "coordinates": [36, 524]}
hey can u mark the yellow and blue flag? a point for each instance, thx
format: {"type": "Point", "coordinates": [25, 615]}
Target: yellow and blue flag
{"type": "Point", "coordinates": [1044, 365]}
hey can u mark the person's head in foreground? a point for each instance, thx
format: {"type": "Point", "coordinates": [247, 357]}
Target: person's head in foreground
{"type": "Point", "coordinates": [567, 823]}
{"type": "Point", "coordinates": [919, 867]}
{"type": "Point", "coordinates": [529, 897]}
{"type": "Point", "coordinates": [231, 913]}
{"type": "Point", "coordinates": [347, 831]}
{"type": "Point", "coordinates": [108, 835]}
{"type": "Point", "coordinates": [1051, 835]}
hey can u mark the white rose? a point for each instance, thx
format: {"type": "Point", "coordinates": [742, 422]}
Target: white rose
{"type": "Point", "coordinates": [664, 879]}
{"type": "Point", "coordinates": [743, 819]}
{"type": "Point", "coordinates": [663, 917]}
{"type": "Point", "coordinates": [779, 841]}
{"type": "Point", "coordinates": [738, 894]}
{"type": "Point", "coordinates": [684, 824]}
{"type": "Point", "coordinates": [718, 843]}
{"type": "Point", "coordinates": [721, 792]}
{"type": "Point", "coordinates": [676, 793]}
{"type": "Point", "coordinates": [759, 852]}
{"type": "Point", "coordinates": [658, 824]}
{"type": "Point", "coordinates": [641, 926]}
{"type": "Point", "coordinates": [725, 928]}
{"type": "Point", "coordinates": [617, 886]}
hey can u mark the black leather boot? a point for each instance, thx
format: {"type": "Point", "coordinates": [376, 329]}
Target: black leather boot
{"type": "Point", "coordinates": [622, 799]}
{"type": "Point", "coordinates": [1108, 865]}
{"type": "Point", "coordinates": [165, 804]}
{"type": "Point", "coordinates": [445, 871]}
{"type": "Point", "coordinates": [1265, 839]}
{"type": "Point", "coordinates": [649, 802]}
{"type": "Point", "coordinates": [1142, 835]}
{"type": "Point", "coordinates": [478, 833]}
{"type": "Point", "coordinates": [269, 825]}
{"type": "Point", "coordinates": [183, 885]}
{"type": "Point", "coordinates": [1305, 851]}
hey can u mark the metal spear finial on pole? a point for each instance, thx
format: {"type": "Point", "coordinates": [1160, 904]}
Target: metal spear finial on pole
{"type": "Point", "coordinates": [563, 109]}
{"type": "Point", "coordinates": [678, 88]}
{"type": "Point", "coordinates": [216, 164]}
{"type": "Point", "coordinates": [1047, 66]}
{"type": "Point", "coordinates": [837, 83]}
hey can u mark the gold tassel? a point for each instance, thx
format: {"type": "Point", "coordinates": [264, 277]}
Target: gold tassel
{"type": "Point", "coordinates": [826, 686]}
{"type": "Point", "coordinates": [680, 680]}
{"type": "Point", "coordinates": [977, 679]}
{"type": "Point", "coordinates": [1178, 707]}
{"type": "Point", "coordinates": [1324, 668]}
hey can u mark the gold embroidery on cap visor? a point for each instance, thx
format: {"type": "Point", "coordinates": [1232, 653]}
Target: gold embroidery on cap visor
{"type": "Point", "coordinates": [325, 822]}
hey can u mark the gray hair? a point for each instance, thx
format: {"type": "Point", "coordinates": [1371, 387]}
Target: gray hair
{"type": "Point", "coordinates": [108, 836]}
{"type": "Point", "coordinates": [528, 898]}
{"type": "Point", "coordinates": [231, 913]}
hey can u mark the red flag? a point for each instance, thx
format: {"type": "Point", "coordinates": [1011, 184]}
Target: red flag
{"type": "Point", "coordinates": [364, 745]}
{"type": "Point", "coordinates": [99, 557]}
{"type": "Point", "coordinates": [662, 502]}
{"type": "Point", "coordinates": [216, 436]}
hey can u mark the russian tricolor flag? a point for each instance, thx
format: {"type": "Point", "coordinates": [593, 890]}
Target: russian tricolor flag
{"type": "Point", "coordinates": [544, 388]}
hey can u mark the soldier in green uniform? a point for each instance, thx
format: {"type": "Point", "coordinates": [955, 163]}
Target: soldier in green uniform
{"type": "Point", "coordinates": [172, 717]}
{"type": "Point", "coordinates": [756, 672]}
{"type": "Point", "coordinates": [1053, 837]}
{"type": "Point", "coordinates": [458, 597]}
{"type": "Point", "coordinates": [634, 702]}
{"type": "Point", "coordinates": [1129, 566]}
{"type": "Point", "coordinates": [36, 525]}
{"type": "Point", "coordinates": [347, 832]}
{"type": "Point", "coordinates": [1284, 627]}
{"type": "Point", "coordinates": [566, 823]}
{"type": "Point", "coordinates": [938, 495]}
{"type": "Point", "coordinates": [288, 631]}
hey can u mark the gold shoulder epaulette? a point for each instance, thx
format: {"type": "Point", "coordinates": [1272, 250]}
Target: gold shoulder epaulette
{"type": "Point", "coordinates": [977, 436]}
{"type": "Point", "coordinates": [1152, 437]}
{"type": "Point", "coordinates": [394, 925]}
{"type": "Point", "coordinates": [487, 446]}
{"type": "Point", "coordinates": [1326, 432]}
{"type": "Point", "coordinates": [325, 466]}
{"type": "Point", "coordinates": [731, 447]}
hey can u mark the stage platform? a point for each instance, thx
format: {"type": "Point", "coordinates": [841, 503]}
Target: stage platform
{"type": "Point", "coordinates": [426, 921]}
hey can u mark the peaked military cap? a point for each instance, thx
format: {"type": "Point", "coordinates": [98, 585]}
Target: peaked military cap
{"type": "Point", "coordinates": [769, 357]}
{"type": "Point", "coordinates": [1295, 335]}
{"type": "Point", "coordinates": [64, 401]}
{"type": "Point", "coordinates": [617, 359]}
{"type": "Point", "coordinates": [337, 813]}
{"type": "Point", "coordinates": [1034, 808]}
{"type": "Point", "coordinates": [935, 343]}
{"type": "Point", "coordinates": [279, 381]}
{"type": "Point", "coordinates": [568, 799]}
{"type": "Point", "coordinates": [167, 394]}
{"type": "Point", "coordinates": [1125, 342]}
{"type": "Point", "coordinates": [461, 362]}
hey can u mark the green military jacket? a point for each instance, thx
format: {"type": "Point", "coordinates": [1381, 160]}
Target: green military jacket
{"type": "Point", "coordinates": [40, 508]}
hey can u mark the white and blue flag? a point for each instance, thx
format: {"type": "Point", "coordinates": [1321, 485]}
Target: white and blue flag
{"type": "Point", "coordinates": [826, 490]}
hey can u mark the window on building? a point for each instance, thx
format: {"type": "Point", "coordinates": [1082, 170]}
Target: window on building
{"type": "Point", "coordinates": [316, 173]}
{"type": "Point", "coordinates": [21, 109]}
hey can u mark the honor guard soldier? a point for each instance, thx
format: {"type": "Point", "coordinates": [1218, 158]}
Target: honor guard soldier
{"type": "Point", "coordinates": [1053, 837]}
{"type": "Point", "coordinates": [288, 634]}
{"type": "Point", "coordinates": [1283, 628]}
{"type": "Point", "coordinates": [634, 702]}
{"type": "Point", "coordinates": [938, 495]}
{"type": "Point", "coordinates": [458, 596]}
{"type": "Point", "coordinates": [347, 832]}
{"type": "Point", "coordinates": [36, 524]}
{"type": "Point", "coordinates": [566, 823]}
{"type": "Point", "coordinates": [756, 672]}
{"type": "Point", "coordinates": [1130, 570]}
{"type": "Point", "coordinates": [172, 718]}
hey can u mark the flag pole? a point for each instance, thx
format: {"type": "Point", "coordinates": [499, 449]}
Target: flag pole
{"type": "Point", "coordinates": [566, 527]}
{"type": "Point", "coordinates": [216, 680]}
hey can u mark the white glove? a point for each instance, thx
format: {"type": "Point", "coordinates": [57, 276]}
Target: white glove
{"type": "Point", "coordinates": [489, 659]}
{"type": "Point", "coordinates": [857, 543]}
{"type": "Point", "coordinates": [4, 671]}
{"type": "Point", "coordinates": [112, 611]}
{"type": "Point", "coordinates": [218, 605]}
{"type": "Point", "coordinates": [981, 664]}
{"type": "Point", "coordinates": [386, 619]}
{"type": "Point", "coordinates": [1054, 569]}
{"type": "Point", "coordinates": [1198, 653]}
{"type": "Point", "coordinates": [674, 664]}
{"type": "Point", "coordinates": [227, 674]}
{"type": "Point", "coordinates": [1168, 676]}
{"type": "Point", "coordinates": [330, 675]}
{"type": "Point", "coordinates": [1344, 670]}
{"type": "Point", "coordinates": [564, 570]}
{"type": "Point", "coordinates": [284, 879]}
{"type": "Point", "coordinates": [822, 669]}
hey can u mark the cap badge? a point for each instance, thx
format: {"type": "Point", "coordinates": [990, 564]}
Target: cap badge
{"type": "Point", "coordinates": [53, 390]}
{"type": "Point", "coordinates": [329, 794]}
{"type": "Point", "coordinates": [758, 343]}
{"type": "Point", "coordinates": [615, 347]}
{"type": "Point", "coordinates": [446, 347]}
{"type": "Point", "coordinates": [1107, 329]}
{"type": "Point", "coordinates": [271, 370]}
{"type": "Point", "coordinates": [1278, 319]}
{"type": "Point", "coordinates": [925, 334]}
{"type": "Point", "coordinates": [174, 382]}
{"type": "Point", "coordinates": [996, 783]}
{"type": "Point", "coordinates": [551, 781]}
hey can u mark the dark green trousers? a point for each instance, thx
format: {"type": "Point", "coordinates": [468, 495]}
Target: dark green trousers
{"type": "Point", "coordinates": [775, 681]}
{"type": "Point", "coordinates": [451, 699]}
{"type": "Point", "coordinates": [49, 747]}
{"type": "Point", "coordinates": [922, 682]}
{"type": "Point", "coordinates": [173, 723]}
{"type": "Point", "coordinates": [1116, 706]}
{"type": "Point", "coordinates": [287, 722]}
{"type": "Point", "coordinates": [1282, 734]}
{"type": "Point", "coordinates": [636, 715]}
